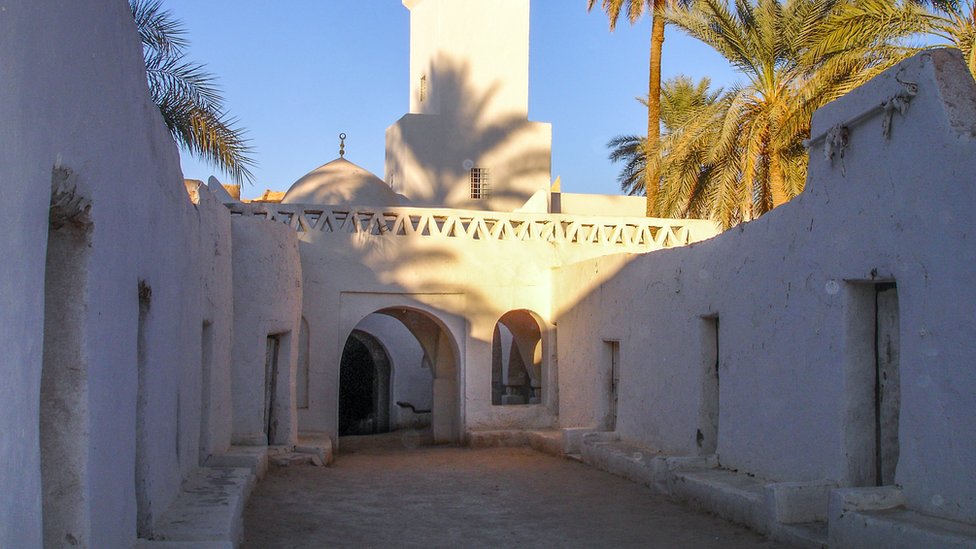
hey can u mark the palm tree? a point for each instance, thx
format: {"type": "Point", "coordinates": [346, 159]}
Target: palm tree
{"type": "Point", "coordinates": [691, 114]}
{"type": "Point", "coordinates": [186, 94]}
{"type": "Point", "coordinates": [682, 99]}
{"type": "Point", "coordinates": [794, 61]}
{"type": "Point", "coordinates": [952, 20]}
{"type": "Point", "coordinates": [635, 9]}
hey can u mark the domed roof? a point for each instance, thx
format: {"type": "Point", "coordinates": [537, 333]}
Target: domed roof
{"type": "Point", "coordinates": [341, 182]}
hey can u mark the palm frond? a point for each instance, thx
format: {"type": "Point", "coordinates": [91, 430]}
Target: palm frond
{"type": "Point", "coordinates": [158, 30]}
{"type": "Point", "coordinates": [187, 95]}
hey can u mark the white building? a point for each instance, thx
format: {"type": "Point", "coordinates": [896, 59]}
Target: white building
{"type": "Point", "coordinates": [809, 374]}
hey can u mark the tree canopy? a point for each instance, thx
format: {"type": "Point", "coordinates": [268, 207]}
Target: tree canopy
{"type": "Point", "coordinates": [187, 95]}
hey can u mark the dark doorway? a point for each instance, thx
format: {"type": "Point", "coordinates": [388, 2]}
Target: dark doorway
{"type": "Point", "coordinates": [612, 353]}
{"type": "Point", "coordinates": [874, 383]}
{"type": "Point", "coordinates": [364, 386]}
{"type": "Point", "coordinates": [270, 387]}
{"type": "Point", "coordinates": [887, 393]}
{"type": "Point", "coordinates": [708, 416]}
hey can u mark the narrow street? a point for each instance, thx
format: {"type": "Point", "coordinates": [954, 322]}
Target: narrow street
{"type": "Point", "coordinates": [386, 492]}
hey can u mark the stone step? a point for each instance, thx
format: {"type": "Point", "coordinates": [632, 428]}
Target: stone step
{"type": "Point", "coordinates": [549, 441]}
{"type": "Point", "coordinates": [209, 510]}
{"type": "Point", "coordinates": [319, 446]}
{"type": "Point", "coordinates": [734, 496]}
{"type": "Point", "coordinates": [808, 535]}
{"type": "Point", "coordinates": [899, 528]}
{"type": "Point", "coordinates": [621, 458]}
{"type": "Point", "coordinates": [253, 458]}
{"type": "Point", "coordinates": [294, 459]}
{"type": "Point", "coordinates": [403, 439]}
{"type": "Point", "coordinates": [150, 544]}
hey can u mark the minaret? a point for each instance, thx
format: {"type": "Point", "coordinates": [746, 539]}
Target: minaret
{"type": "Point", "coordinates": [482, 45]}
{"type": "Point", "coordinates": [467, 141]}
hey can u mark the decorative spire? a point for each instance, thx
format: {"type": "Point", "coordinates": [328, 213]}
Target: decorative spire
{"type": "Point", "coordinates": [342, 145]}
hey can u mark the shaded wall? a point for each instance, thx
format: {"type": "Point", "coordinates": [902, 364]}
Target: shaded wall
{"type": "Point", "coordinates": [267, 302]}
{"type": "Point", "coordinates": [788, 291]}
{"type": "Point", "coordinates": [138, 309]}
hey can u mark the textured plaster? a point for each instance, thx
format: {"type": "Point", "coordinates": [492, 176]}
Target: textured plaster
{"type": "Point", "coordinates": [785, 289]}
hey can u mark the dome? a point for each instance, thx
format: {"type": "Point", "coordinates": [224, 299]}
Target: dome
{"type": "Point", "coordinates": [341, 182]}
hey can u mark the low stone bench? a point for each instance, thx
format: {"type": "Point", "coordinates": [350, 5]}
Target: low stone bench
{"type": "Point", "coordinates": [208, 512]}
{"type": "Point", "coordinates": [549, 441]}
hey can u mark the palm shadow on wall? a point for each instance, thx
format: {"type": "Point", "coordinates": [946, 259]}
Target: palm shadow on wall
{"type": "Point", "coordinates": [474, 130]}
{"type": "Point", "coordinates": [468, 123]}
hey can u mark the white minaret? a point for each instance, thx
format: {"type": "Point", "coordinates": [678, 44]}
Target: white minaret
{"type": "Point", "coordinates": [484, 41]}
{"type": "Point", "coordinates": [467, 141]}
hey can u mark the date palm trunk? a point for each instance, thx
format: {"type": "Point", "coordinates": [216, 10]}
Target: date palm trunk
{"type": "Point", "coordinates": [777, 178]}
{"type": "Point", "coordinates": [652, 177]}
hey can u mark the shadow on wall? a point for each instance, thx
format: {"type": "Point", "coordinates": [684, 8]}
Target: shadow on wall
{"type": "Point", "coordinates": [430, 156]}
{"type": "Point", "coordinates": [801, 346]}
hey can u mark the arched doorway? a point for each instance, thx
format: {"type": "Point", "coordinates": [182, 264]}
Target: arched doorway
{"type": "Point", "coordinates": [438, 361]}
{"type": "Point", "coordinates": [364, 386]}
{"type": "Point", "coordinates": [516, 359]}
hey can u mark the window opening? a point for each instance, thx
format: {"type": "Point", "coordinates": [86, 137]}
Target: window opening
{"type": "Point", "coordinates": [480, 183]}
{"type": "Point", "coordinates": [270, 386]}
{"type": "Point", "coordinates": [516, 360]}
{"type": "Point", "coordinates": [612, 350]}
{"type": "Point", "coordinates": [708, 422]}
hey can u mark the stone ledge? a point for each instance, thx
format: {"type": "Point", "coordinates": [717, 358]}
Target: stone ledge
{"type": "Point", "coordinates": [148, 544]}
{"type": "Point", "coordinates": [319, 446]}
{"type": "Point", "coordinates": [875, 517]}
{"type": "Point", "coordinates": [798, 502]}
{"type": "Point", "coordinates": [621, 458]}
{"type": "Point", "coordinates": [252, 458]}
{"type": "Point", "coordinates": [811, 535]}
{"type": "Point", "coordinates": [546, 441]}
{"type": "Point", "coordinates": [573, 439]}
{"type": "Point", "coordinates": [898, 529]}
{"type": "Point", "coordinates": [605, 450]}
{"type": "Point", "coordinates": [209, 510]}
{"type": "Point", "coordinates": [733, 496]}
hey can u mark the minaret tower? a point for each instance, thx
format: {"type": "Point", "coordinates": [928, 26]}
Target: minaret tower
{"type": "Point", "coordinates": [485, 41]}
{"type": "Point", "coordinates": [467, 141]}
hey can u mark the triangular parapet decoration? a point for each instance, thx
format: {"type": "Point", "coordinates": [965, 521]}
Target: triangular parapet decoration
{"type": "Point", "coordinates": [637, 234]}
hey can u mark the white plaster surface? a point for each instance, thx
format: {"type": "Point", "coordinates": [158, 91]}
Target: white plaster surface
{"type": "Point", "coordinates": [602, 204]}
{"type": "Point", "coordinates": [473, 113]}
{"type": "Point", "coordinates": [267, 302]}
{"type": "Point", "coordinates": [789, 290]}
{"type": "Point", "coordinates": [786, 288]}
{"type": "Point", "coordinates": [341, 182]}
{"type": "Point", "coordinates": [75, 97]}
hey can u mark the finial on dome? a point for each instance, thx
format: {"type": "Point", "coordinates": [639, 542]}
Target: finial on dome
{"type": "Point", "coordinates": [342, 145]}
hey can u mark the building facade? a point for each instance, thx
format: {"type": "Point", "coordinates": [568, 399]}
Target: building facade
{"type": "Point", "coordinates": [811, 371]}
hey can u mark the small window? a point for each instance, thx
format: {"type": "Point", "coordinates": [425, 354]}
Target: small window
{"type": "Point", "coordinates": [480, 183]}
{"type": "Point", "coordinates": [423, 88]}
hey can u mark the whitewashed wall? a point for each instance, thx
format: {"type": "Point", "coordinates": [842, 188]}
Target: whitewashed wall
{"type": "Point", "coordinates": [267, 302]}
{"type": "Point", "coordinates": [474, 59]}
{"type": "Point", "coordinates": [74, 108]}
{"type": "Point", "coordinates": [786, 290]}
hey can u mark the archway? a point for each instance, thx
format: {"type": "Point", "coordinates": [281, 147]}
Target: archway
{"type": "Point", "coordinates": [516, 359]}
{"type": "Point", "coordinates": [364, 386]}
{"type": "Point", "coordinates": [438, 358]}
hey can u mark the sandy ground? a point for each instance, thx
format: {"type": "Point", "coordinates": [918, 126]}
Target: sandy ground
{"type": "Point", "coordinates": [375, 496]}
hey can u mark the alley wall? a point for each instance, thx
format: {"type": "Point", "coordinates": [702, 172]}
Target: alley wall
{"type": "Point", "coordinates": [788, 301]}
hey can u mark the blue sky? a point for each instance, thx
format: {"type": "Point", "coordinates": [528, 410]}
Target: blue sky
{"type": "Point", "coordinates": [298, 72]}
